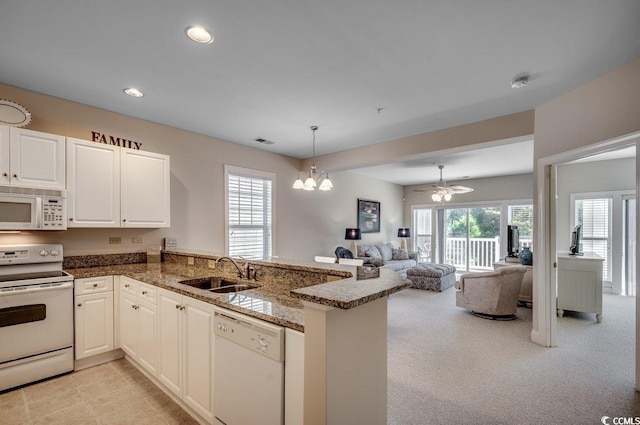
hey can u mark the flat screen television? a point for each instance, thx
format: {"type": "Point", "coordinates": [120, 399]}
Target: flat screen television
{"type": "Point", "coordinates": [513, 240]}
{"type": "Point", "coordinates": [574, 249]}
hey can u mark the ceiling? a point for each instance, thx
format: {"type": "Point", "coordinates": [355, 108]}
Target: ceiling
{"type": "Point", "coordinates": [504, 160]}
{"type": "Point", "coordinates": [364, 71]}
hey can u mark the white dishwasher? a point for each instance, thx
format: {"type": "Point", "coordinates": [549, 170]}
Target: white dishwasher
{"type": "Point", "coordinates": [248, 371]}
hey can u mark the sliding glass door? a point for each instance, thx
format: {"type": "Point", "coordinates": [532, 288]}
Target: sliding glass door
{"type": "Point", "coordinates": [472, 237]}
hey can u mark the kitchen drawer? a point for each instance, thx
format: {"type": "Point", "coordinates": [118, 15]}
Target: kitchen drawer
{"type": "Point", "coordinates": [91, 285]}
{"type": "Point", "coordinates": [129, 285]}
{"type": "Point", "coordinates": [147, 293]}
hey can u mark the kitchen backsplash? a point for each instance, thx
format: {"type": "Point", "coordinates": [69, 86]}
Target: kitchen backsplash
{"type": "Point", "coordinates": [79, 261]}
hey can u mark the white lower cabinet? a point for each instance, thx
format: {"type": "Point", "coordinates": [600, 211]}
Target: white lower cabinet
{"type": "Point", "coordinates": [138, 322]}
{"type": "Point", "coordinates": [94, 328]}
{"type": "Point", "coordinates": [185, 350]}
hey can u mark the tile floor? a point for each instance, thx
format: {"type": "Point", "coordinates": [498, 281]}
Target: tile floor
{"type": "Point", "coordinates": [114, 393]}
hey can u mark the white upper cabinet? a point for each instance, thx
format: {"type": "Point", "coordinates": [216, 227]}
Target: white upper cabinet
{"type": "Point", "coordinates": [32, 159]}
{"type": "Point", "coordinates": [5, 158]}
{"type": "Point", "coordinates": [110, 186]}
{"type": "Point", "coordinates": [93, 173]}
{"type": "Point", "coordinates": [145, 193]}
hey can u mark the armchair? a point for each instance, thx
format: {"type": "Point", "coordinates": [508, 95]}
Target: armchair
{"type": "Point", "coordinates": [491, 295]}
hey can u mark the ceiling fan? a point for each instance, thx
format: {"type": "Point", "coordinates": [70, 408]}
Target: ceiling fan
{"type": "Point", "coordinates": [440, 192]}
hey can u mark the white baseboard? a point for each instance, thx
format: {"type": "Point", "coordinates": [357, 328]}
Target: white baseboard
{"type": "Point", "coordinates": [98, 359]}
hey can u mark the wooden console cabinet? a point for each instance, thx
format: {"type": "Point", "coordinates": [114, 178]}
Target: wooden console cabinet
{"type": "Point", "coordinates": [580, 283]}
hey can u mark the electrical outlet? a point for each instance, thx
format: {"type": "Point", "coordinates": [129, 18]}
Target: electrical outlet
{"type": "Point", "coordinates": [211, 264]}
{"type": "Point", "coordinates": [191, 261]}
{"type": "Point", "coordinates": [136, 239]}
{"type": "Point", "coordinates": [115, 240]}
{"type": "Point", "coordinates": [170, 243]}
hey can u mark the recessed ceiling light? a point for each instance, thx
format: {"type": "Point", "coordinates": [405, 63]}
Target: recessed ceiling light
{"type": "Point", "coordinates": [199, 34]}
{"type": "Point", "coordinates": [133, 92]}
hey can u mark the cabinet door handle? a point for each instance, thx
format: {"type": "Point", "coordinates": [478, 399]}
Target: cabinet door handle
{"type": "Point", "coordinates": [126, 285]}
{"type": "Point", "coordinates": [182, 307]}
{"type": "Point", "coordinates": [124, 219]}
{"type": "Point", "coordinates": [144, 292]}
{"type": "Point", "coordinates": [5, 175]}
{"type": "Point", "coordinates": [15, 176]}
{"type": "Point", "coordinates": [177, 306]}
{"type": "Point", "coordinates": [95, 285]}
{"type": "Point", "coordinates": [70, 218]}
{"type": "Point", "coordinates": [80, 305]}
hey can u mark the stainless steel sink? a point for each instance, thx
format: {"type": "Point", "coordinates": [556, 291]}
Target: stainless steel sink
{"type": "Point", "coordinates": [208, 283]}
{"type": "Point", "coordinates": [233, 288]}
{"type": "Point", "coordinates": [219, 285]}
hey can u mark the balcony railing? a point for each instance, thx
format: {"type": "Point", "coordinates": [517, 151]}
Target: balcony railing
{"type": "Point", "coordinates": [483, 252]}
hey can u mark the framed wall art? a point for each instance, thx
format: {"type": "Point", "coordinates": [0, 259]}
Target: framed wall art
{"type": "Point", "coordinates": [368, 216]}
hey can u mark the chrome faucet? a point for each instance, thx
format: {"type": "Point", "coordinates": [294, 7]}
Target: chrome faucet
{"type": "Point", "coordinates": [240, 272]}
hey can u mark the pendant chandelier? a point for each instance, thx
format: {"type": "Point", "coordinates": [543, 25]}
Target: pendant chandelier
{"type": "Point", "coordinates": [310, 181]}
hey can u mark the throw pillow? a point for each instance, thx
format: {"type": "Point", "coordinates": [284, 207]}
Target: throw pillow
{"type": "Point", "coordinates": [378, 262]}
{"type": "Point", "coordinates": [342, 252]}
{"type": "Point", "coordinates": [386, 251]}
{"type": "Point", "coordinates": [400, 254]}
{"type": "Point", "coordinates": [369, 251]}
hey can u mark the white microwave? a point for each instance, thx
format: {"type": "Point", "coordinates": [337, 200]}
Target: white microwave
{"type": "Point", "coordinates": [33, 211]}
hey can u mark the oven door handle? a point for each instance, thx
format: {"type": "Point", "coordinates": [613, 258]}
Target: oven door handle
{"type": "Point", "coordinates": [35, 288]}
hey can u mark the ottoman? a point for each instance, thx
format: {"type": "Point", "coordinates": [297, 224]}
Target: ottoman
{"type": "Point", "coordinates": [431, 276]}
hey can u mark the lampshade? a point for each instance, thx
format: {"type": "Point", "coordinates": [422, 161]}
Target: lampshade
{"type": "Point", "coordinates": [404, 232]}
{"type": "Point", "coordinates": [352, 234]}
{"type": "Point", "coordinates": [314, 178]}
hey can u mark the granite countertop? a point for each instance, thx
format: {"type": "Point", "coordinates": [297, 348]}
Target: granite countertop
{"type": "Point", "coordinates": [273, 301]}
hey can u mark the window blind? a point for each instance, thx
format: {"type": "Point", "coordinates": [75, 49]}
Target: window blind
{"type": "Point", "coordinates": [249, 216]}
{"type": "Point", "coordinates": [522, 216]}
{"type": "Point", "coordinates": [594, 215]}
{"type": "Point", "coordinates": [422, 218]}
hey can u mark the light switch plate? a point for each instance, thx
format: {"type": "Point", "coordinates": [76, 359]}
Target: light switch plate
{"type": "Point", "coordinates": [115, 240]}
{"type": "Point", "coordinates": [190, 261]}
{"type": "Point", "coordinates": [211, 264]}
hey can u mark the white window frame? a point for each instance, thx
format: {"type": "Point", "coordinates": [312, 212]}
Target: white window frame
{"type": "Point", "coordinates": [436, 231]}
{"type": "Point", "coordinates": [251, 173]}
{"type": "Point", "coordinates": [574, 197]}
{"type": "Point", "coordinates": [614, 283]}
{"type": "Point", "coordinates": [431, 255]}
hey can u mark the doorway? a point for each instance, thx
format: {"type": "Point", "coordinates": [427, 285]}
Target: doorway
{"type": "Point", "coordinates": [545, 328]}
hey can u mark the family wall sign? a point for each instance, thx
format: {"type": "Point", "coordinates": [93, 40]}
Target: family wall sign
{"type": "Point", "coordinates": [107, 139]}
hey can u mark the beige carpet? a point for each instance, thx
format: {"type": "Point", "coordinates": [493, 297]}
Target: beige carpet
{"type": "Point", "coordinates": [449, 367]}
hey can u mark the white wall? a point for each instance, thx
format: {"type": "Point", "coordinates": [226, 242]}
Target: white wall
{"type": "Point", "coordinates": [599, 111]}
{"type": "Point", "coordinates": [307, 224]}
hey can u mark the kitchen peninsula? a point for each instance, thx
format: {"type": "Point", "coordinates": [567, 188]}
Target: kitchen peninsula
{"type": "Point", "coordinates": [338, 323]}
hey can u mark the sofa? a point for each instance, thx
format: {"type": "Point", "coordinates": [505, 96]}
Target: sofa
{"type": "Point", "coordinates": [385, 255]}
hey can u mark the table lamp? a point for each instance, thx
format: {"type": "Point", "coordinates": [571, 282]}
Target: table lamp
{"type": "Point", "coordinates": [353, 235]}
{"type": "Point", "coordinates": [404, 233]}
